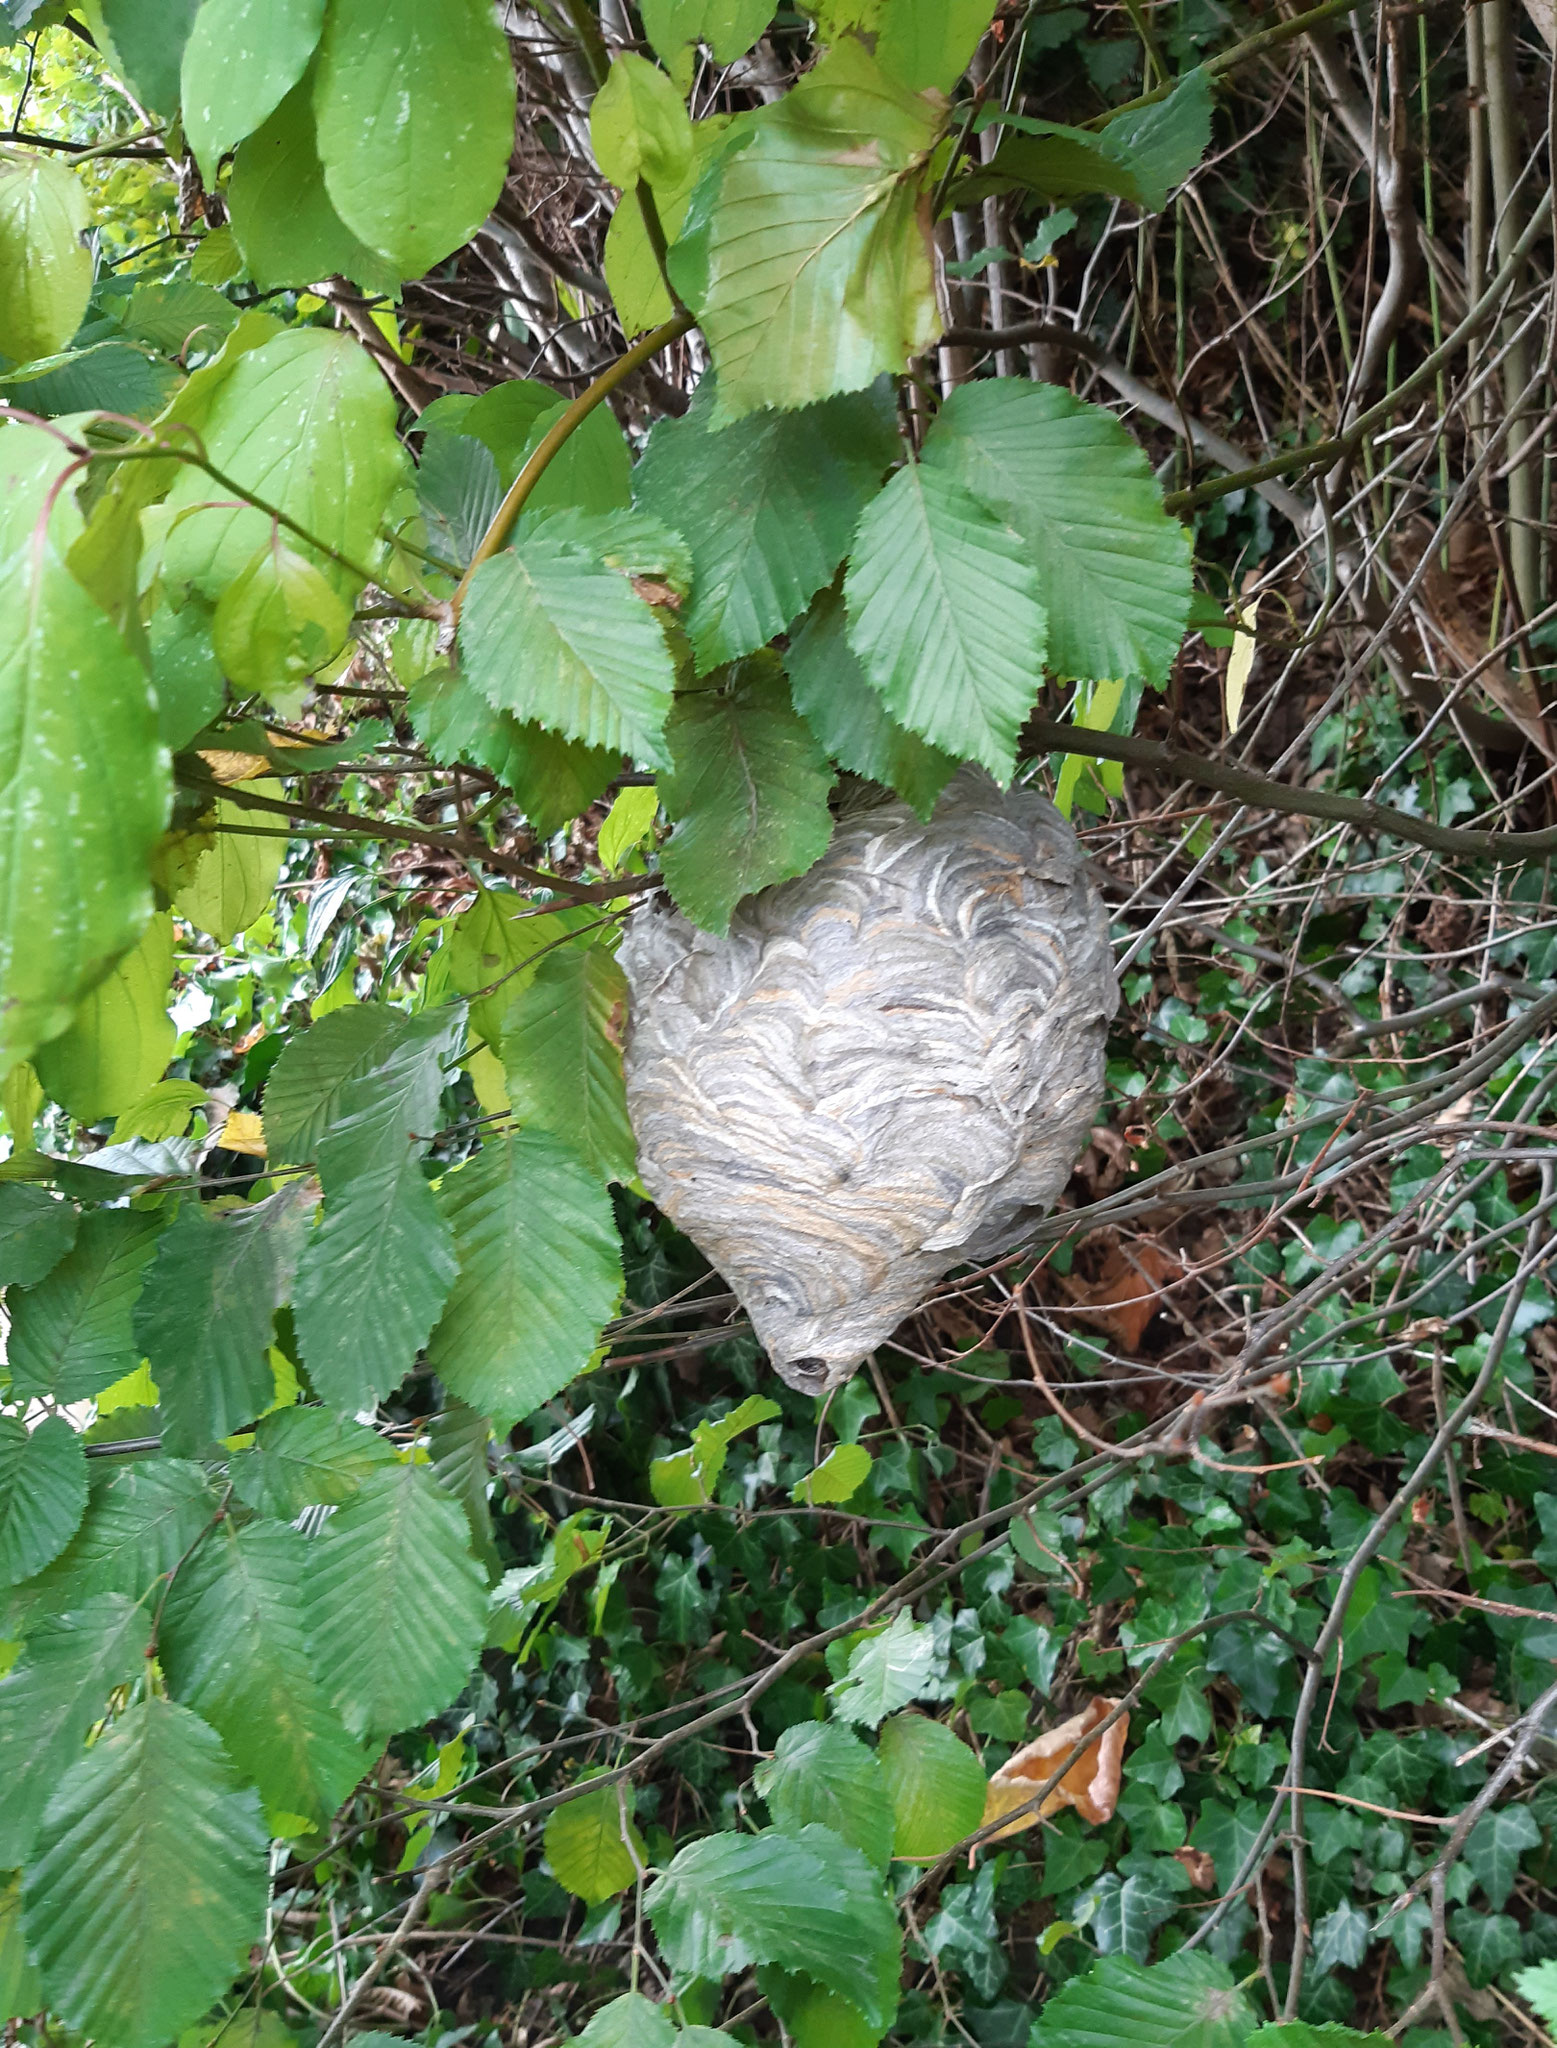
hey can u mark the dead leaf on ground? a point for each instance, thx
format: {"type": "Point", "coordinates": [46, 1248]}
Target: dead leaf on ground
{"type": "Point", "coordinates": [1202, 1871]}
{"type": "Point", "coordinates": [1128, 1292]}
{"type": "Point", "coordinates": [1091, 1785]}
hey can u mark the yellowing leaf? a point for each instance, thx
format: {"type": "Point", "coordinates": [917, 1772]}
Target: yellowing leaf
{"type": "Point", "coordinates": [1240, 664]}
{"type": "Point", "coordinates": [591, 1853]}
{"type": "Point", "coordinates": [243, 1132]}
{"type": "Point", "coordinates": [235, 877]}
{"type": "Point", "coordinates": [841, 1474]}
{"type": "Point", "coordinates": [121, 1037]}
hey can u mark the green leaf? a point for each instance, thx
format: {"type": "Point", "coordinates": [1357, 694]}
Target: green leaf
{"type": "Point", "coordinates": [562, 1053]}
{"type": "Point", "coordinates": [232, 1646]}
{"type": "Point", "coordinates": [550, 632]}
{"type": "Point", "coordinates": [303, 1093]}
{"type": "Point", "coordinates": [139, 1522]}
{"type": "Point", "coordinates": [1114, 569]}
{"type": "Point", "coordinates": [84, 781]}
{"type": "Point", "coordinates": [279, 620]}
{"type": "Point", "coordinates": [37, 1229]}
{"type": "Point", "coordinates": [179, 316]}
{"type": "Point", "coordinates": [496, 945]}
{"type": "Point", "coordinates": [241, 60]}
{"type": "Point", "coordinates": [590, 1853]}
{"type": "Point", "coordinates": [840, 1475]}
{"type": "Point", "coordinates": [1537, 1986]}
{"type": "Point", "coordinates": [1494, 1846]}
{"type": "Point", "coordinates": [235, 877]}
{"type": "Point", "coordinates": [833, 697]}
{"type": "Point", "coordinates": [395, 1605]}
{"type": "Point", "coordinates": [945, 617]}
{"type": "Point", "coordinates": [806, 250]}
{"type": "Point", "coordinates": [376, 1273]}
{"type": "Point", "coordinates": [808, 1902]}
{"type": "Point", "coordinates": [72, 1335]}
{"type": "Point", "coordinates": [552, 779]}
{"type": "Point", "coordinates": [43, 1494]}
{"type": "Point", "coordinates": [416, 120]}
{"type": "Point", "coordinates": [1162, 144]}
{"type": "Point", "coordinates": [589, 473]}
{"type": "Point", "coordinates": [144, 42]}
{"type": "Point", "coordinates": [935, 1782]}
{"type": "Point", "coordinates": [728, 27]}
{"type": "Point", "coordinates": [121, 1036]}
{"type": "Point", "coordinates": [539, 1273]}
{"type": "Point", "coordinates": [308, 424]}
{"type": "Point", "coordinates": [205, 1313]}
{"type": "Point", "coordinates": [631, 267]}
{"type": "Point", "coordinates": [1053, 162]}
{"type": "Point", "coordinates": [927, 44]}
{"type": "Point", "coordinates": [627, 824]}
{"type": "Point", "coordinates": [458, 1440]}
{"type": "Point", "coordinates": [45, 266]}
{"type": "Point", "coordinates": [820, 1773]}
{"type": "Point", "coordinates": [812, 2017]}
{"type": "Point", "coordinates": [767, 507]}
{"type": "Point", "coordinates": [638, 127]}
{"type": "Point", "coordinates": [688, 1478]}
{"type": "Point", "coordinates": [1189, 2001]}
{"type": "Point", "coordinates": [162, 1112]}
{"type": "Point", "coordinates": [21, 1988]}
{"type": "Point", "coordinates": [184, 669]}
{"type": "Point", "coordinates": [885, 1672]}
{"type": "Point", "coordinates": [150, 1879]}
{"type": "Point", "coordinates": [1307, 2034]}
{"type": "Point", "coordinates": [53, 1696]}
{"type": "Point", "coordinates": [631, 2021]}
{"type": "Point", "coordinates": [306, 1457]}
{"type": "Point", "coordinates": [747, 788]}
{"type": "Point", "coordinates": [282, 218]}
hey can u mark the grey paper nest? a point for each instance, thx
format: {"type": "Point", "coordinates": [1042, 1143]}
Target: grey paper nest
{"type": "Point", "coordinates": [884, 1072]}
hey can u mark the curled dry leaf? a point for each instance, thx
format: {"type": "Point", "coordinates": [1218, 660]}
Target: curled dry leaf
{"type": "Point", "coordinates": [1201, 1869]}
{"type": "Point", "coordinates": [1091, 1785]}
{"type": "Point", "coordinates": [1129, 1290]}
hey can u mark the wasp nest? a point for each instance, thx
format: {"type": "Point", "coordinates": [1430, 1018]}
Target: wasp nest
{"type": "Point", "coordinates": [885, 1071]}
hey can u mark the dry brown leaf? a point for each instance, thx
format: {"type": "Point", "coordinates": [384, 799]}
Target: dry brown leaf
{"type": "Point", "coordinates": [1466, 634]}
{"type": "Point", "coordinates": [227, 765]}
{"type": "Point", "coordinates": [1091, 1785]}
{"type": "Point", "coordinates": [1129, 1290]}
{"type": "Point", "coordinates": [1202, 1871]}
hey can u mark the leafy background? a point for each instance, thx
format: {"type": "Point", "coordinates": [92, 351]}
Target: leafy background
{"type": "Point", "coordinates": [427, 1614]}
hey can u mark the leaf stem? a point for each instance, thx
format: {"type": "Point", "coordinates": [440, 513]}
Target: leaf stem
{"type": "Point", "coordinates": [496, 536]}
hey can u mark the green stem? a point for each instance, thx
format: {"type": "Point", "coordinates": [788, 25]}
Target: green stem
{"type": "Point", "coordinates": [496, 536]}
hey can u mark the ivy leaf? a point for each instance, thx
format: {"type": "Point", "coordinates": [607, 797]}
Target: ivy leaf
{"type": "Point", "coordinates": [307, 423]}
{"type": "Point", "coordinates": [821, 1773]}
{"type": "Point", "coordinates": [590, 1853]}
{"type": "Point", "coordinates": [395, 1605]}
{"type": "Point", "coordinates": [638, 126]}
{"type": "Point", "coordinates": [72, 1335]}
{"type": "Point", "coordinates": [282, 218]}
{"type": "Point", "coordinates": [232, 1646]}
{"type": "Point", "coordinates": [83, 780]}
{"type": "Point", "coordinates": [1342, 1937]}
{"type": "Point", "coordinates": [1114, 571]}
{"type": "Point", "coordinates": [945, 617]}
{"type": "Point", "coordinates": [303, 1093]}
{"type": "Point", "coordinates": [416, 120]}
{"type": "Point", "coordinates": [205, 1313]}
{"type": "Point", "coordinates": [149, 1882]}
{"type": "Point", "coordinates": [306, 1457]}
{"type": "Point", "coordinates": [832, 695]}
{"type": "Point", "coordinates": [234, 877]}
{"type": "Point", "coordinates": [767, 507]}
{"type": "Point", "coordinates": [808, 1902]}
{"type": "Point", "coordinates": [37, 1229]}
{"type": "Point", "coordinates": [539, 1273]}
{"type": "Point", "coordinates": [562, 1053]}
{"type": "Point", "coordinates": [748, 790]}
{"type": "Point", "coordinates": [52, 1697]}
{"type": "Point", "coordinates": [139, 1522]}
{"type": "Point", "coordinates": [806, 248]}
{"type": "Point", "coordinates": [552, 633]}
{"type": "Point", "coordinates": [688, 1478]}
{"type": "Point", "coordinates": [45, 266]}
{"type": "Point", "coordinates": [241, 60]}
{"type": "Point", "coordinates": [1189, 2001]}
{"type": "Point", "coordinates": [729, 27]}
{"type": "Point", "coordinates": [375, 1275]}
{"type": "Point", "coordinates": [43, 1493]}
{"type": "Point", "coordinates": [1494, 1846]}
{"type": "Point", "coordinates": [935, 1783]}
